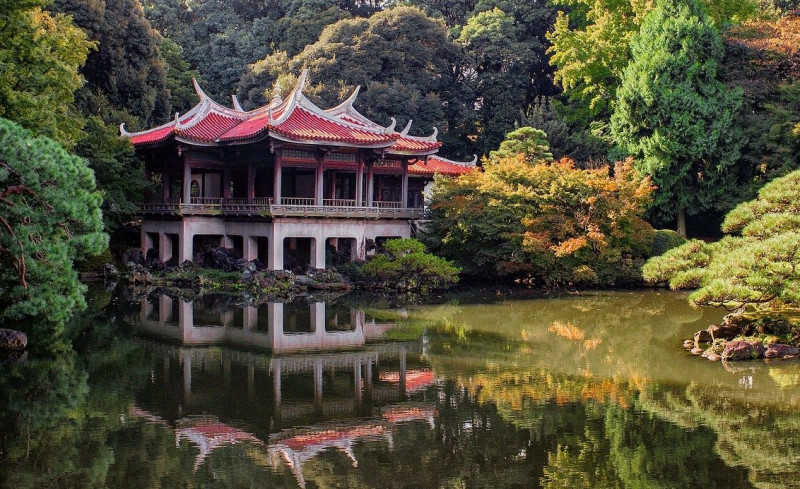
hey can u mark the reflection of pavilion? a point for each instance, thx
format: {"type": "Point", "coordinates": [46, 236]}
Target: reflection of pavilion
{"type": "Point", "coordinates": [277, 326]}
{"type": "Point", "coordinates": [294, 447]}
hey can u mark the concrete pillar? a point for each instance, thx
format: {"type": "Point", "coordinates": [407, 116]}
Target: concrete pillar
{"type": "Point", "coordinates": [276, 180]}
{"type": "Point", "coordinates": [249, 248]}
{"type": "Point", "coordinates": [319, 191]}
{"type": "Point", "coordinates": [318, 252]}
{"type": "Point", "coordinates": [318, 381]}
{"type": "Point", "coordinates": [404, 186]}
{"type": "Point", "coordinates": [185, 319]}
{"type": "Point", "coordinates": [370, 183]}
{"type": "Point", "coordinates": [187, 183]}
{"type": "Point", "coordinates": [357, 381]}
{"type": "Point", "coordinates": [275, 253]}
{"type": "Point", "coordinates": [145, 309]}
{"type": "Point", "coordinates": [147, 242]}
{"type": "Point", "coordinates": [249, 318]}
{"type": "Point", "coordinates": [276, 385]}
{"type": "Point", "coordinates": [225, 241]}
{"type": "Point", "coordinates": [226, 318]}
{"type": "Point", "coordinates": [164, 309]}
{"type": "Point", "coordinates": [226, 183]}
{"type": "Point", "coordinates": [318, 317]}
{"type": "Point", "coordinates": [186, 359]}
{"type": "Point", "coordinates": [251, 180]}
{"type": "Point", "coordinates": [402, 375]}
{"type": "Point", "coordinates": [164, 247]}
{"type": "Point", "coordinates": [185, 246]}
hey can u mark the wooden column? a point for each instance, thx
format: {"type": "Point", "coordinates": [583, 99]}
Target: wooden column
{"type": "Point", "coordinates": [226, 183]}
{"type": "Point", "coordinates": [251, 180]}
{"type": "Point", "coordinates": [370, 182]}
{"type": "Point", "coordinates": [276, 179]}
{"type": "Point", "coordinates": [318, 181]}
{"type": "Point", "coordinates": [359, 180]}
{"type": "Point", "coordinates": [187, 183]}
{"type": "Point", "coordinates": [404, 186]}
{"type": "Point", "coordinates": [165, 184]}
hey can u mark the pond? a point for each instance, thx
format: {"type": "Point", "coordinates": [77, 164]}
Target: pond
{"type": "Point", "coordinates": [488, 389]}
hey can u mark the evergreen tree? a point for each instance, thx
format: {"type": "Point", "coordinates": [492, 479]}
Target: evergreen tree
{"type": "Point", "coordinates": [675, 116]}
{"type": "Point", "coordinates": [49, 217]}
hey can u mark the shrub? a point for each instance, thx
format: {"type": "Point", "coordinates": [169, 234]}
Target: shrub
{"type": "Point", "coordinates": [405, 265]}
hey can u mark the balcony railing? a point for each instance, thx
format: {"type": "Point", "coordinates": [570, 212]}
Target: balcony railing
{"type": "Point", "coordinates": [289, 207]}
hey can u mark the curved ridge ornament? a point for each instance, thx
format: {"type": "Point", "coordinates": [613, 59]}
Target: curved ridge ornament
{"type": "Point", "coordinates": [407, 128]}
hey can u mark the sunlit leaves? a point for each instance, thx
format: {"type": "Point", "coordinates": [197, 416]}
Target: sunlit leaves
{"type": "Point", "coordinates": [758, 268]}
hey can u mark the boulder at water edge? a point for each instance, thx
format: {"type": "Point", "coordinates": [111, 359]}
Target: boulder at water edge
{"type": "Point", "coordinates": [778, 350]}
{"type": "Point", "coordinates": [743, 350]}
{"type": "Point", "coordinates": [13, 340]}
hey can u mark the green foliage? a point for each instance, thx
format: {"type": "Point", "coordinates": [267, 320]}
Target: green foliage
{"type": "Point", "coordinates": [126, 70]}
{"type": "Point", "coordinates": [526, 141]}
{"type": "Point", "coordinates": [664, 240]}
{"type": "Point", "coordinates": [756, 268]}
{"type": "Point", "coordinates": [40, 54]}
{"type": "Point", "coordinates": [507, 69]}
{"type": "Point", "coordinates": [550, 223]}
{"type": "Point", "coordinates": [404, 264]}
{"type": "Point", "coordinates": [674, 115]}
{"type": "Point", "coordinates": [401, 58]}
{"type": "Point", "coordinates": [49, 217]}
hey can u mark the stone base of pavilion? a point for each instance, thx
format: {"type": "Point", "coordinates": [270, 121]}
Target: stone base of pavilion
{"type": "Point", "coordinates": [270, 239]}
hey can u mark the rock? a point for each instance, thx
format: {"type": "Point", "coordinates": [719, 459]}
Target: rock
{"type": "Point", "coordinates": [697, 351]}
{"type": "Point", "coordinates": [714, 357]}
{"type": "Point", "coordinates": [726, 331]}
{"type": "Point", "coordinates": [9, 358]}
{"type": "Point", "coordinates": [110, 271]}
{"type": "Point", "coordinates": [701, 337]}
{"type": "Point", "coordinates": [11, 339]}
{"type": "Point", "coordinates": [778, 350]}
{"type": "Point", "coordinates": [688, 344]}
{"type": "Point", "coordinates": [133, 255]}
{"type": "Point", "coordinates": [743, 350]}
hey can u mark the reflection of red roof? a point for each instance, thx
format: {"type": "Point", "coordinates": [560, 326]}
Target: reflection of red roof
{"type": "Point", "coordinates": [326, 437]}
{"type": "Point", "coordinates": [436, 164]}
{"type": "Point", "coordinates": [415, 379]}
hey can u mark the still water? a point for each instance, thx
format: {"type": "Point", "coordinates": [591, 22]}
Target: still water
{"type": "Point", "coordinates": [483, 390]}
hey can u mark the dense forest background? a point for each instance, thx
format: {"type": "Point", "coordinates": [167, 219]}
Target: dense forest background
{"type": "Point", "coordinates": [475, 69]}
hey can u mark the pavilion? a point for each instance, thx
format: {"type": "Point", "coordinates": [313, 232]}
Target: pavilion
{"type": "Point", "coordinates": [286, 179]}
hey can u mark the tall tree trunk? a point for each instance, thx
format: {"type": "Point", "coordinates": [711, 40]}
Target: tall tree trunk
{"type": "Point", "coordinates": [682, 223]}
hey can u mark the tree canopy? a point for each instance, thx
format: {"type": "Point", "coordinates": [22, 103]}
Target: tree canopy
{"type": "Point", "coordinates": [49, 217]}
{"type": "Point", "coordinates": [675, 116]}
{"type": "Point", "coordinates": [754, 266]}
{"type": "Point", "coordinates": [548, 222]}
{"type": "Point", "coordinates": [40, 54]}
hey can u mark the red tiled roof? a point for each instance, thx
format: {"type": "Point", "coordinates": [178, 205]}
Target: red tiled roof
{"type": "Point", "coordinates": [247, 129]}
{"type": "Point", "coordinates": [409, 144]}
{"type": "Point", "coordinates": [154, 136]}
{"type": "Point", "coordinates": [438, 165]}
{"type": "Point", "coordinates": [210, 127]}
{"type": "Point", "coordinates": [304, 125]}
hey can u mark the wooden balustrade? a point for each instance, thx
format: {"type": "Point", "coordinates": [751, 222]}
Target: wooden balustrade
{"type": "Point", "coordinates": [289, 207]}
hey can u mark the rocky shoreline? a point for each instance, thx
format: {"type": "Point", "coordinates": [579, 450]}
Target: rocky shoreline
{"type": "Point", "coordinates": [740, 337]}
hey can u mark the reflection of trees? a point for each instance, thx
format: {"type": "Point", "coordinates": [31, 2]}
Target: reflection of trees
{"type": "Point", "coordinates": [58, 415]}
{"type": "Point", "coordinates": [760, 434]}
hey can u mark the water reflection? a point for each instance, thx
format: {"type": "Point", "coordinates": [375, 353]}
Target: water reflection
{"type": "Point", "coordinates": [588, 391]}
{"type": "Point", "coordinates": [280, 327]}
